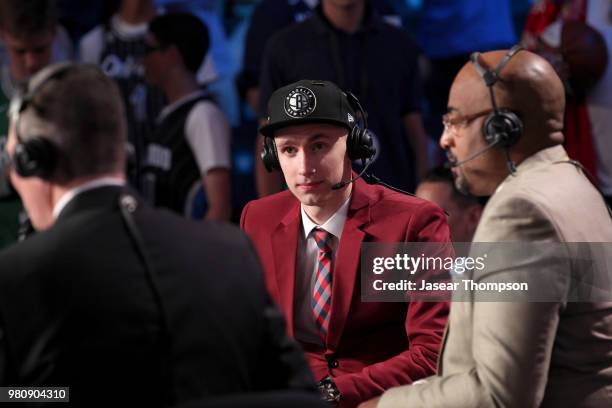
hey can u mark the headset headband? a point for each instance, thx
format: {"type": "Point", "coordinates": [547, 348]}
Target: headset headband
{"type": "Point", "coordinates": [24, 97]}
{"type": "Point", "coordinates": [364, 115]}
{"type": "Point", "coordinates": [36, 156]}
{"type": "Point", "coordinates": [492, 76]}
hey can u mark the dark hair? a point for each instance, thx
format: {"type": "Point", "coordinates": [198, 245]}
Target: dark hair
{"type": "Point", "coordinates": [443, 174]}
{"type": "Point", "coordinates": [26, 18]}
{"type": "Point", "coordinates": [186, 32]}
{"type": "Point", "coordinates": [81, 112]}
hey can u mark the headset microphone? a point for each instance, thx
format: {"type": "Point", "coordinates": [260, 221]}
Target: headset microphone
{"type": "Point", "coordinates": [449, 165]}
{"type": "Point", "coordinates": [345, 183]}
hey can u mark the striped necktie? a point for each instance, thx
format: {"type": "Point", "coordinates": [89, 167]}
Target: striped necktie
{"type": "Point", "coordinates": [321, 296]}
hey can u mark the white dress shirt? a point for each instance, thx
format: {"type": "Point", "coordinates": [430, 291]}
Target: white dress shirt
{"type": "Point", "coordinates": [90, 185]}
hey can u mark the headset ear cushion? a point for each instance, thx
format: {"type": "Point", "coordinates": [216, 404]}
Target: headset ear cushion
{"type": "Point", "coordinates": [269, 155]}
{"type": "Point", "coordinates": [503, 128]}
{"type": "Point", "coordinates": [35, 158]}
{"type": "Point", "coordinates": [360, 144]}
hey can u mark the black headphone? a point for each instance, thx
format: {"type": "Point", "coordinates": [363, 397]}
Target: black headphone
{"type": "Point", "coordinates": [36, 156]}
{"type": "Point", "coordinates": [359, 144]}
{"type": "Point", "coordinates": [502, 127]}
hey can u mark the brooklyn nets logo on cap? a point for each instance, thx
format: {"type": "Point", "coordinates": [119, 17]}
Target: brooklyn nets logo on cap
{"type": "Point", "coordinates": [300, 102]}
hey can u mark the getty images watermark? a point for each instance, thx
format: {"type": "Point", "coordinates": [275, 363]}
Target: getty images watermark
{"type": "Point", "coordinates": [533, 272]}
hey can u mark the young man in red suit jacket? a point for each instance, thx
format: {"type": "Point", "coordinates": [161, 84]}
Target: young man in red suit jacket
{"type": "Point", "coordinates": [309, 240]}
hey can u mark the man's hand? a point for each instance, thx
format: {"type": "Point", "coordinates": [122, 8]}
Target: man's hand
{"type": "Point", "coordinates": [370, 403]}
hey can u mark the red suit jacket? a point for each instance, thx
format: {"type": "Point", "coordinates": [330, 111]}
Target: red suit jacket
{"type": "Point", "coordinates": [370, 346]}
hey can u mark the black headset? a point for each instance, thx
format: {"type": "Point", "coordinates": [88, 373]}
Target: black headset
{"type": "Point", "coordinates": [359, 144]}
{"type": "Point", "coordinates": [36, 156]}
{"type": "Point", "coordinates": [502, 127]}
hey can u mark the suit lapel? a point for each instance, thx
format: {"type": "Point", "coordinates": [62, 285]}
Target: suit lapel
{"type": "Point", "coordinates": [284, 247]}
{"type": "Point", "coordinates": [347, 261]}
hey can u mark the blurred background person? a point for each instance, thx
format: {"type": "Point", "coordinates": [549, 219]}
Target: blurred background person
{"type": "Point", "coordinates": [271, 16]}
{"type": "Point", "coordinates": [464, 210]}
{"type": "Point", "coordinates": [447, 32]}
{"type": "Point", "coordinates": [29, 35]}
{"type": "Point", "coordinates": [117, 46]}
{"type": "Point", "coordinates": [576, 37]}
{"type": "Point", "coordinates": [222, 62]}
{"type": "Point", "coordinates": [187, 162]}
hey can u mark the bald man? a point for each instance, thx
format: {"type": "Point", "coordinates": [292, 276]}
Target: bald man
{"type": "Point", "coordinates": [503, 134]}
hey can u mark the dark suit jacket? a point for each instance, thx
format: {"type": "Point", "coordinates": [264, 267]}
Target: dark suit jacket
{"type": "Point", "coordinates": [77, 309]}
{"type": "Point", "coordinates": [370, 346]}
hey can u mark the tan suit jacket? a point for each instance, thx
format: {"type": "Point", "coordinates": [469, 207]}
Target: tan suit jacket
{"type": "Point", "coordinates": [528, 354]}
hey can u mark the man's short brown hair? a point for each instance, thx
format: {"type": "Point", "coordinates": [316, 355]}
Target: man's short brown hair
{"type": "Point", "coordinates": [26, 18]}
{"type": "Point", "coordinates": [81, 112]}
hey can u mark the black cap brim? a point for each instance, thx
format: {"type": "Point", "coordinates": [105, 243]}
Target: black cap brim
{"type": "Point", "coordinates": [269, 129]}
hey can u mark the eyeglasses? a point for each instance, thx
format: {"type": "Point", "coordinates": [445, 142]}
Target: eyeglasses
{"type": "Point", "coordinates": [452, 122]}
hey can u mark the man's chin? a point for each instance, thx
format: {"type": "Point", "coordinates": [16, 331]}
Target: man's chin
{"type": "Point", "coordinates": [311, 199]}
{"type": "Point", "coordinates": [462, 185]}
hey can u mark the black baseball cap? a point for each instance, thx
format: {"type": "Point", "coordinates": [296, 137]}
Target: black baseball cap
{"type": "Point", "coordinates": [308, 101]}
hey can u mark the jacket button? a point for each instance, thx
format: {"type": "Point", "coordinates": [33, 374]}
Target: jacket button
{"type": "Point", "coordinates": [333, 363]}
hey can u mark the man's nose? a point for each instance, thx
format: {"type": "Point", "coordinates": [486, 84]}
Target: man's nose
{"type": "Point", "coordinates": [306, 164]}
{"type": "Point", "coordinates": [446, 139]}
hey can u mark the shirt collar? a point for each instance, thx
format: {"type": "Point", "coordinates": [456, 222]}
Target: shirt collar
{"type": "Point", "coordinates": [126, 30]}
{"type": "Point", "coordinates": [333, 225]}
{"type": "Point", "coordinates": [167, 110]}
{"type": "Point", "coordinates": [90, 185]}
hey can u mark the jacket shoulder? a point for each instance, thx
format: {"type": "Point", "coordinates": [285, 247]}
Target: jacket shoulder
{"type": "Point", "coordinates": [394, 203]}
{"type": "Point", "coordinates": [537, 204]}
{"type": "Point", "coordinates": [174, 229]}
{"type": "Point", "coordinates": [266, 210]}
{"type": "Point", "coordinates": [23, 259]}
{"type": "Point", "coordinates": [405, 217]}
